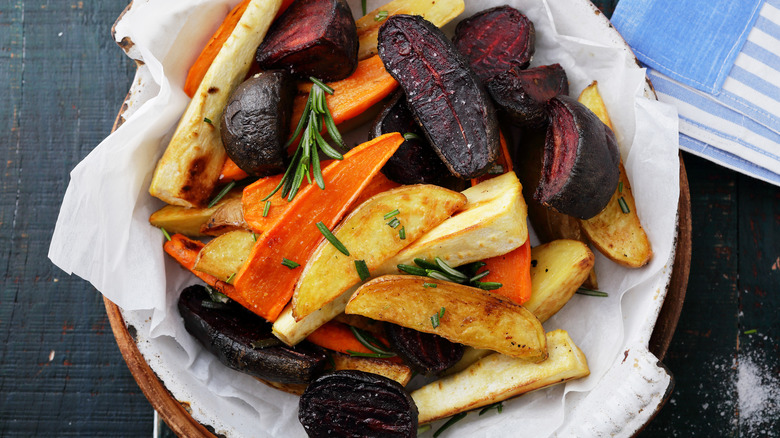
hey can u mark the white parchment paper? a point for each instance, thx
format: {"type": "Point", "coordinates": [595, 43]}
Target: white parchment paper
{"type": "Point", "coordinates": [103, 234]}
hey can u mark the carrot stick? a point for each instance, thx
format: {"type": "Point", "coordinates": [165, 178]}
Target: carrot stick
{"type": "Point", "coordinates": [185, 250]}
{"type": "Point", "coordinates": [264, 285]}
{"type": "Point", "coordinates": [206, 57]}
{"type": "Point", "coordinates": [513, 271]}
{"type": "Point", "coordinates": [231, 172]}
{"type": "Point", "coordinates": [337, 336]}
{"type": "Point", "coordinates": [368, 85]}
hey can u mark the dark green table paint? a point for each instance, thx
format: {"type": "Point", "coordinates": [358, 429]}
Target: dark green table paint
{"type": "Point", "coordinates": [61, 373]}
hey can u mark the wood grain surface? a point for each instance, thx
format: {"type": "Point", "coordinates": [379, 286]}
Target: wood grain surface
{"type": "Point", "coordinates": [61, 373]}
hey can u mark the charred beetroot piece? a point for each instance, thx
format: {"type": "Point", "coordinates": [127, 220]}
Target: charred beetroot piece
{"type": "Point", "coordinates": [229, 332]}
{"type": "Point", "coordinates": [523, 94]}
{"type": "Point", "coordinates": [445, 96]}
{"type": "Point", "coordinates": [415, 161]}
{"type": "Point", "coordinates": [357, 404]}
{"type": "Point", "coordinates": [424, 352]}
{"type": "Point", "coordinates": [581, 159]}
{"type": "Point", "coordinates": [255, 122]}
{"type": "Point", "coordinates": [496, 40]}
{"type": "Point", "coordinates": [312, 38]}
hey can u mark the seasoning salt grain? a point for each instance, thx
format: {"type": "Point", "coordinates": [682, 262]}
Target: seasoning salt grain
{"type": "Point", "coordinates": [758, 389]}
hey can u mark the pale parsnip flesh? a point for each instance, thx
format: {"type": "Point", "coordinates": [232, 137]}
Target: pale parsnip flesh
{"type": "Point", "coordinates": [189, 169]}
{"type": "Point", "coordinates": [498, 377]}
{"type": "Point", "coordinates": [291, 332]}
{"type": "Point", "coordinates": [186, 220]}
{"type": "Point", "coordinates": [368, 237]}
{"type": "Point", "coordinates": [471, 316]}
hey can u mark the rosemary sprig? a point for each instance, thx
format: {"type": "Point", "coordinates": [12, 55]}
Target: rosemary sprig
{"type": "Point", "coordinates": [592, 293]}
{"type": "Point", "coordinates": [222, 194]}
{"type": "Point", "coordinates": [369, 342]}
{"type": "Point", "coordinates": [165, 233]}
{"type": "Point", "coordinates": [306, 161]}
{"type": "Point", "coordinates": [455, 418]}
{"type": "Point", "coordinates": [362, 270]}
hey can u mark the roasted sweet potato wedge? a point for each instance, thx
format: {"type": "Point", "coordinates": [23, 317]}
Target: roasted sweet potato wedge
{"type": "Point", "coordinates": [471, 316]}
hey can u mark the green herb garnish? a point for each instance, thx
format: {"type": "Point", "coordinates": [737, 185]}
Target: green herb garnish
{"type": "Point", "coordinates": [450, 422]}
{"type": "Point", "coordinates": [620, 187]}
{"type": "Point", "coordinates": [207, 120]}
{"type": "Point", "coordinates": [487, 285]}
{"type": "Point", "coordinates": [363, 4]}
{"type": "Point", "coordinates": [447, 269]}
{"type": "Point", "coordinates": [306, 161]}
{"type": "Point", "coordinates": [289, 263]}
{"type": "Point", "coordinates": [436, 318]}
{"type": "Point", "coordinates": [422, 429]}
{"type": "Point", "coordinates": [394, 222]}
{"type": "Point", "coordinates": [425, 264]}
{"type": "Point", "coordinates": [381, 15]}
{"type": "Point", "coordinates": [369, 342]}
{"type": "Point", "coordinates": [499, 406]}
{"type": "Point", "coordinates": [392, 214]}
{"type": "Point", "coordinates": [402, 233]}
{"type": "Point", "coordinates": [411, 136]}
{"type": "Point", "coordinates": [254, 236]}
{"type": "Point", "coordinates": [207, 304]}
{"type": "Point", "coordinates": [431, 285]}
{"type": "Point", "coordinates": [266, 208]}
{"type": "Point", "coordinates": [623, 205]}
{"type": "Point", "coordinates": [332, 239]}
{"type": "Point", "coordinates": [591, 292]}
{"type": "Point", "coordinates": [362, 270]}
{"type": "Point", "coordinates": [750, 332]}
{"type": "Point", "coordinates": [414, 270]}
{"type": "Point", "coordinates": [222, 193]}
{"type": "Point", "coordinates": [232, 276]}
{"type": "Point", "coordinates": [165, 233]}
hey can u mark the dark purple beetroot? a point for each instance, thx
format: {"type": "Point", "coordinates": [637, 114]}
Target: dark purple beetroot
{"type": "Point", "coordinates": [312, 38]}
{"type": "Point", "coordinates": [496, 40]}
{"type": "Point", "coordinates": [255, 122]}
{"type": "Point", "coordinates": [357, 404]}
{"type": "Point", "coordinates": [581, 159]}
{"type": "Point", "coordinates": [228, 331]}
{"type": "Point", "coordinates": [523, 94]}
{"type": "Point", "coordinates": [445, 96]}
{"type": "Point", "coordinates": [415, 161]}
{"type": "Point", "coordinates": [424, 352]}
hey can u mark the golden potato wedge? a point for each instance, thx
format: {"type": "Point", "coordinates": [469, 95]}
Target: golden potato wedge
{"type": "Point", "coordinates": [229, 216]}
{"type": "Point", "coordinates": [291, 332]}
{"type": "Point", "coordinates": [189, 169]}
{"type": "Point", "coordinates": [616, 233]}
{"type": "Point", "coordinates": [471, 316]}
{"type": "Point", "coordinates": [498, 377]}
{"type": "Point", "coordinates": [186, 220]}
{"type": "Point", "coordinates": [492, 223]}
{"type": "Point", "coordinates": [368, 236]}
{"type": "Point", "coordinates": [558, 269]}
{"type": "Point", "coordinates": [396, 371]}
{"type": "Point", "coordinates": [224, 255]}
{"type": "Point", "coordinates": [438, 12]}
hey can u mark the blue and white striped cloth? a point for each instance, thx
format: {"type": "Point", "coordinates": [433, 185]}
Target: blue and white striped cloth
{"type": "Point", "coordinates": [718, 62]}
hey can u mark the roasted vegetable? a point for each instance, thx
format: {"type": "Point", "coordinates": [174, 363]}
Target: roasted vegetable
{"type": "Point", "coordinates": [523, 94]}
{"type": "Point", "coordinates": [581, 161]}
{"type": "Point", "coordinates": [186, 220]}
{"type": "Point", "coordinates": [498, 377]}
{"type": "Point", "coordinates": [227, 217]}
{"type": "Point", "coordinates": [370, 236]}
{"type": "Point", "coordinates": [459, 313]}
{"type": "Point", "coordinates": [291, 332]}
{"type": "Point", "coordinates": [357, 404]}
{"type": "Point", "coordinates": [255, 122]}
{"type": "Point", "coordinates": [189, 169]}
{"type": "Point", "coordinates": [425, 352]}
{"type": "Point", "coordinates": [446, 97]}
{"type": "Point", "coordinates": [392, 370]}
{"type": "Point", "coordinates": [312, 38]}
{"type": "Point", "coordinates": [230, 331]}
{"type": "Point", "coordinates": [496, 40]}
{"type": "Point", "coordinates": [415, 161]}
{"type": "Point", "coordinates": [223, 256]}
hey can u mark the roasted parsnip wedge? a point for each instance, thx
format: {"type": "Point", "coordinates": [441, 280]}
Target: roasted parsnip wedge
{"type": "Point", "coordinates": [223, 256]}
{"type": "Point", "coordinates": [492, 223]}
{"type": "Point", "coordinates": [616, 231]}
{"type": "Point", "coordinates": [396, 371]}
{"type": "Point", "coordinates": [186, 220]}
{"type": "Point", "coordinates": [459, 313]}
{"type": "Point", "coordinates": [438, 12]}
{"type": "Point", "coordinates": [560, 269]}
{"type": "Point", "coordinates": [498, 377]}
{"type": "Point", "coordinates": [291, 332]}
{"type": "Point", "coordinates": [229, 216]}
{"type": "Point", "coordinates": [189, 169]}
{"type": "Point", "coordinates": [372, 233]}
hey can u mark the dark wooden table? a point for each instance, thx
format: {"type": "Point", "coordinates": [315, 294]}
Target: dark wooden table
{"type": "Point", "coordinates": [61, 373]}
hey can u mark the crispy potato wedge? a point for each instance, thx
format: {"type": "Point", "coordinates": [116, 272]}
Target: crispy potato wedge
{"type": "Point", "coordinates": [186, 220]}
{"type": "Point", "coordinates": [367, 235]}
{"type": "Point", "coordinates": [560, 269]}
{"type": "Point", "coordinates": [471, 316]}
{"type": "Point", "coordinates": [229, 216]}
{"type": "Point", "coordinates": [438, 12]}
{"type": "Point", "coordinates": [396, 371]}
{"type": "Point", "coordinates": [291, 332]}
{"type": "Point", "coordinates": [492, 223]}
{"type": "Point", "coordinates": [223, 256]}
{"type": "Point", "coordinates": [616, 234]}
{"type": "Point", "coordinates": [189, 169]}
{"type": "Point", "coordinates": [498, 377]}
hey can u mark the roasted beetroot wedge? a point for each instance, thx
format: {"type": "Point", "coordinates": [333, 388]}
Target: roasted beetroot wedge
{"type": "Point", "coordinates": [312, 38]}
{"type": "Point", "coordinates": [415, 161]}
{"type": "Point", "coordinates": [445, 96]}
{"type": "Point", "coordinates": [424, 352]}
{"type": "Point", "coordinates": [357, 404]}
{"type": "Point", "coordinates": [581, 159]}
{"type": "Point", "coordinates": [243, 341]}
{"type": "Point", "coordinates": [496, 40]}
{"type": "Point", "coordinates": [523, 94]}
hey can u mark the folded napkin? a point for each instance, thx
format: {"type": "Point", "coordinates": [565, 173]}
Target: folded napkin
{"type": "Point", "coordinates": [718, 62]}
